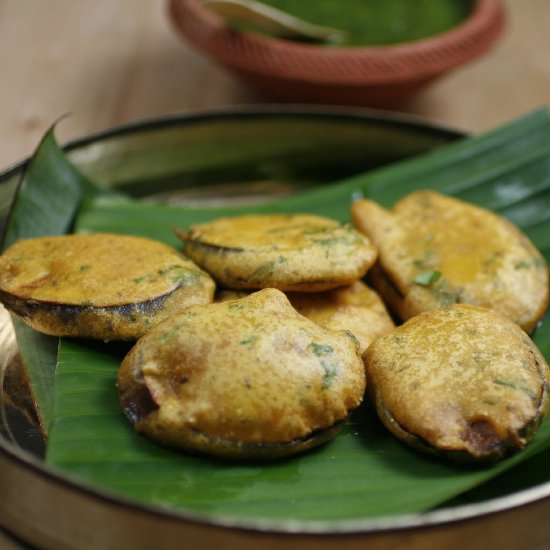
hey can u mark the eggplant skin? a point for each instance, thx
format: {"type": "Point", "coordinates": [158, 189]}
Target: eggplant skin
{"type": "Point", "coordinates": [484, 445]}
{"type": "Point", "coordinates": [462, 382]}
{"type": "Point", "coordinates": [237, 450]}
{"type": "Point", "coordinates": [126, 322]}
{"type": "Point", "coordinates": [290, 252]}
{"type": "Point", "coordinates": [138, 403]}
{"type": "Point", "coordinates": [243, 379]}
{"type": "Point", "coordinates": [98, 285]}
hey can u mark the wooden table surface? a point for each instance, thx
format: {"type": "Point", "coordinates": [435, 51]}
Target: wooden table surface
{"type": "Point", "coordinates": [108, 62]}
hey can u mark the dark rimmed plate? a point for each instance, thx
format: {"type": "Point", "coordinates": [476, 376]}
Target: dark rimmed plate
{"type": "Point", "coordinates": [272, 151]}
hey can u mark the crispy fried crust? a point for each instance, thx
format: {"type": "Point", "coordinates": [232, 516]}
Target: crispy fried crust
{"type": "Point", "coordinates": [245, 378]}
{"type": "Point", "coordinates": [436, 250]}
{"type": "Point", "coordinates": [356, 308]}
{"type": "Point", "coordinates": [294, 252]}
{"type": "Point", "coordinates": [461, 381]}
{"type": "Point", "coordinates": [102, 286]}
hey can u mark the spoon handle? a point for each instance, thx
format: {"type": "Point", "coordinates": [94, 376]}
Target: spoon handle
{"type": "Point", "coordinates": [273, 21]}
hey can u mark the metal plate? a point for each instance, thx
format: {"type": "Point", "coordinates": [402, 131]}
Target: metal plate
{"type": "Point", "coordinates": [289, 148]}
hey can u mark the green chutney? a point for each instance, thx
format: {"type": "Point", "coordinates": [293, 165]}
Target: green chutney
{"type": "Point", "coordinates": [377, 22]}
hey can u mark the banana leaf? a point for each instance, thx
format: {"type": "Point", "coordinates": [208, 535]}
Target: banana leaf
{"type": "Point", "coordinates": [49, 193]}
{"type": "Point", "coordinates": [36, 211]}
{"type": "Point", "coordinates": [364, 472]}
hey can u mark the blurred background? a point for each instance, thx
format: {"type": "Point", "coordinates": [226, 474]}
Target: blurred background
{"type": "Point", "coordinates": [109, 62]}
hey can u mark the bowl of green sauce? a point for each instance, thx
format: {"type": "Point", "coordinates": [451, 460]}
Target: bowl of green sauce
{"type": "Point", "coordinates": [388, 49]}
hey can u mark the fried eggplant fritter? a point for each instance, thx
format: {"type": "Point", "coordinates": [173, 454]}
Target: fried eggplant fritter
{"type": "Point", "coordinates": [103, 286]}
{"type": "Point", "coordinates": [436, 250]}
{"type": "Point", "coordinates": [460, 381]}
{"type": "Point", "coordinates": [247, 378]}
{"type": "Point", "coordinates": [290, 252]}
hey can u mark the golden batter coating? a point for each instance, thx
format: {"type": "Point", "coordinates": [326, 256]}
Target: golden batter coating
{"type": "Point", "coordinates": [246, 378]}
{"type": "Point", "coordinates": [356, 308]}
{"type": "Point", "coordinates": [461, 381]}
{"type": "Point", "coordinates": [100, 285]}
{"type": "Point", "coordinates": [290, 252]}
{"type": "Point", "coordinates": [436, 250]}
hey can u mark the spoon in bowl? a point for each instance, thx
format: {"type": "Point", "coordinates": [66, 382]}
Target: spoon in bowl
{"type": "Point", "coordinates": [273, 21]}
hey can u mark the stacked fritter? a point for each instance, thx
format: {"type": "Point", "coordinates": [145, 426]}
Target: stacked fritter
{"type": "Point", "coordinates": [460, 377]}
{"type": "Point", "coordinates": [274, 361]}
{"type": "Point", "coordinates": [247, 378]}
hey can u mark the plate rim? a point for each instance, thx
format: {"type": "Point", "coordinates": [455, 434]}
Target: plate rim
{"type": "Point", "coordinates": [250, 111]}
{"type": "Point", "coordinates": [399, 522]}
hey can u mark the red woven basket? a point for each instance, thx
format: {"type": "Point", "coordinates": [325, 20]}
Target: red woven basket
{"type": "Point", "coordinates": [377, 76]}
